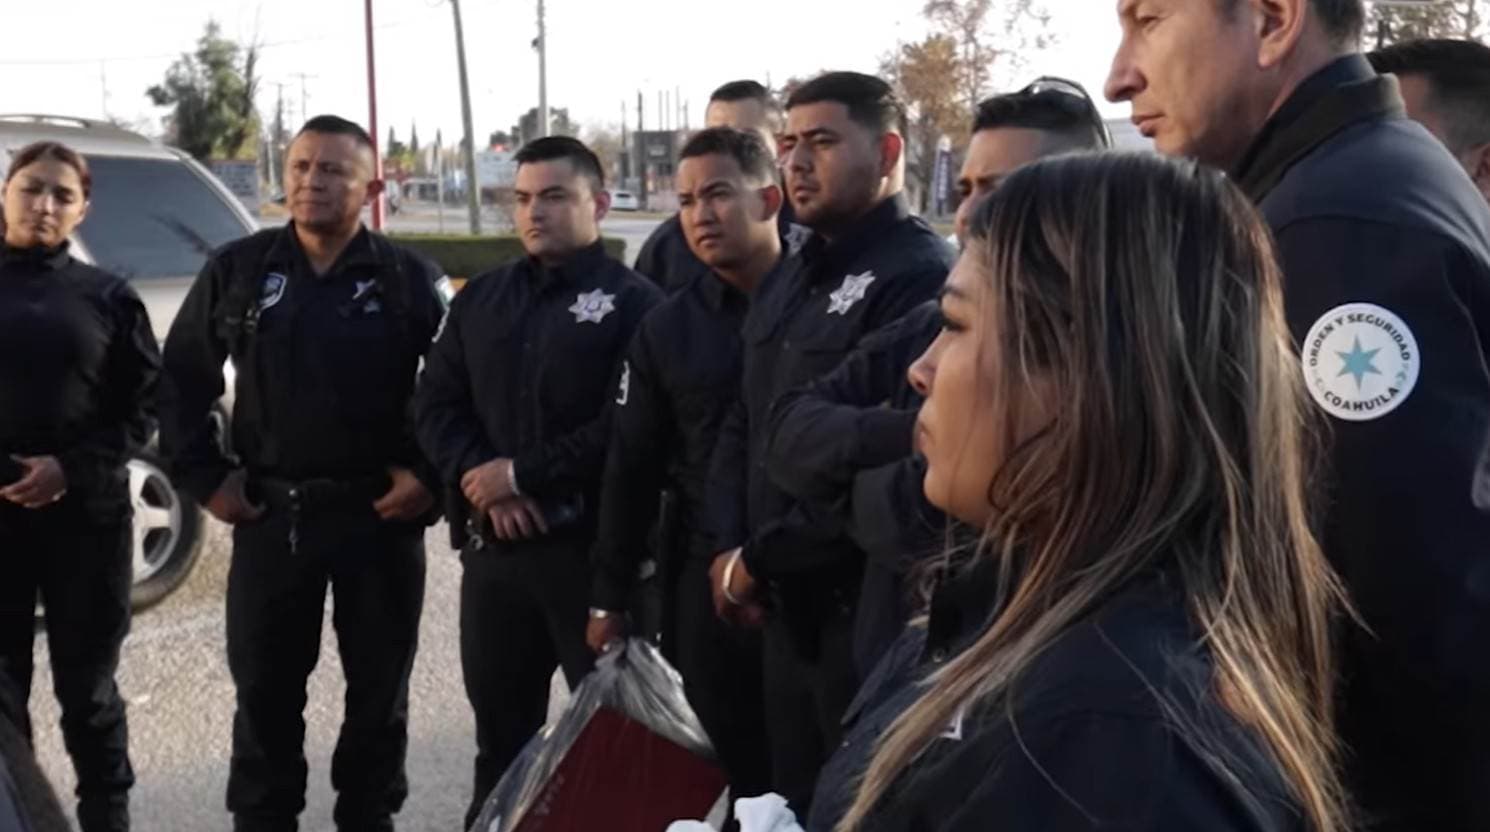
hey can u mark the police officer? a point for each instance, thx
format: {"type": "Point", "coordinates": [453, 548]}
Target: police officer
{"type": "Point", "coordinates": [846, 438]}
{"type": "Point", "coordinates": [680, 378]}
{"type": "Point", "coordinates": [1446, 87]}
{"type": "Point", "coordinates": [78, 368]}
{"type": "Point", "coordinates": [325, 323]}
{"type": "Point", "coordinates": [513, 411]}
{"type": "Point", "coordinates": [666, 257]}
{"type": "Point", "coordinates": [868, 262]}
{"type": "Point", "coordinates": [1385, 246]}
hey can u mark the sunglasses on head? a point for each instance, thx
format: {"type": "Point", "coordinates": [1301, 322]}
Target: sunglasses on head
{"type": "Point", "coordinates": [1070, 96]}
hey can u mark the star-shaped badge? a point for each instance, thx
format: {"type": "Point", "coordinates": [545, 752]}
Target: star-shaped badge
{"type": "Point", "coordinates": [849, 293]}
{"type": "Point", "coordinates": [592, 307]}
{"type": "Point", "coordinates": [1358, 362]}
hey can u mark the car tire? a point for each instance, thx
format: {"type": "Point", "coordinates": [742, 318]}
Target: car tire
{"type": "Point", "coordinates": [167, 531]}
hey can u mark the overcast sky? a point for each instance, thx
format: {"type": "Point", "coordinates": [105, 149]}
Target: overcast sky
{"type": "Point", "coordinates": [90, 57]}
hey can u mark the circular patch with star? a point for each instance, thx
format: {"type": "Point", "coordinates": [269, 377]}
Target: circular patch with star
{"type": "Point", "coordinates": [1361, 361]}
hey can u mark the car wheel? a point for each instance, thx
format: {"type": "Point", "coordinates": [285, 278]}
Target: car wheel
{"type": "Point", "coordinates": [167, 531]}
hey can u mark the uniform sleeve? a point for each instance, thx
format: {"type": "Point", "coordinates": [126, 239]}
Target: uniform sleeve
{"type": "Point", "coordinates": [191, 384]}
{"type": "Point", "coordinates": [823, 434]}
{"type": "Point", "coordinates": [642, 431]}
{"type": "Point", "coordinates": [574, 463]}
{"type": "Point", "coordinates": [1409, 511]}
{"type": "Point", "coordinates": [126, 418]}
{"type": "Point", "coordinates": [729, 481]}
{"type": "Point", "coordinates": [1084, 773]}
{"type": "Point", "coordinates": [430, 308]}
{"type": "Point", "coordinates": [889, 516]}
{"type": "Point", "coordinates": [445, 418]}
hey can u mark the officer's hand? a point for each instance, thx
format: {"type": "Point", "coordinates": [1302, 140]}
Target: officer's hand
{"type": "Point", "coordinates": [230, 503]}
{"type": "Point", "coordinates": [406, 500]}
{"type": "Point", "coordinates": [743, 611]}
{"type": "Point", "coordinates": [602, 633]}
{"type": "Point", "coordinates": [43, 484]}
{"type": "Point", "coordinates": [517, 518]}
{"type": "Point", "coordinates": [488, 484]}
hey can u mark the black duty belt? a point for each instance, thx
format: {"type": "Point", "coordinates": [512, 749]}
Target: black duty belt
{"type": "Point", "coordinates": [299, 498]}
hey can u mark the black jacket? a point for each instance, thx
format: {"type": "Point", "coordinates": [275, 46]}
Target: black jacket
{"type": "Point", "coordinates": [1090, 740]}
{"type": "Point", "coordinates": [78, 370]}
{"type": "Point", "coordinates": [666, 259]}
{"type": "Point", "coordinates": [845, 440]}
{"type": "Point", "coordinates": [325, 365]}
{"type": "Point", "coordinates": [681, 376]}
{"type": "Point", "coordinates": [1385, 244]}
{"type": "Point", "coordinates": [525, 367]}
{"type": "Point", "coordinates": [801, 326]}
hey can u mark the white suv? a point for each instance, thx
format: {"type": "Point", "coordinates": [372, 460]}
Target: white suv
{"type": "Point", "coordinates": [155, 215]}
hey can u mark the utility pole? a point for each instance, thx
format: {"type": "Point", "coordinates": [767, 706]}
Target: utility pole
{"type": "Point", "coordinates": [641, 150]}
{"type": "Point", "coordinates": [372, 116]}
{"type": "Point", "coordinates": [473, 189]}
{"type": "Point", "coordinates": [542, 43]}
{"type": "Point", "coordinates": [440, 177]}
{"type": "Point", "coordinates": [304, 98]}
{"type": "Point", "coordinates": [625, 155]}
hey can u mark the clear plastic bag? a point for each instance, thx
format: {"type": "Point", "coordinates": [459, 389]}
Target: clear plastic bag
{"type": "Point", "coordinates": [631, 682]}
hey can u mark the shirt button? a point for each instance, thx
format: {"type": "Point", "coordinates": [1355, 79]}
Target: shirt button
{"type": "Point", "coordinates": [939, 655]}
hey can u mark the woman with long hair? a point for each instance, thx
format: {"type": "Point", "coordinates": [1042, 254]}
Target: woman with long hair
{"type": "Point", "coordinates": [1137, 634]}
{"type": "Point", "coordinates": [78, 365]}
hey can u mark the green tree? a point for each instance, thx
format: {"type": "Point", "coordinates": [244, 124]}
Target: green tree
{"type": "Point", "coordinates": [1437, 19]}
{"type": "Point", "coordinates": [212, 94]}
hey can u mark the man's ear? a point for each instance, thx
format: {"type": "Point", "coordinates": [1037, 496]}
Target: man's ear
{"type": "Point", "coordinates": [1477, 162]}
{"type": "Point", "coordinates": [375, 189]}
{"type": "Point", "coordinates": [1279, 25]}
{"type": "Point", "coordinates": [771, 200]}
{"type": "Point", "coordinates": [602, 204]}
{"type": "Point", "coordinates": [892, 147]}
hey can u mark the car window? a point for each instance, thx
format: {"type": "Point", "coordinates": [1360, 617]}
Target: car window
{"type": "Point", "coordinates": [154, 218]}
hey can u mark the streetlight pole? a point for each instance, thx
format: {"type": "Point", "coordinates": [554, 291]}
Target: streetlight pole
{"type": "Point", "coordinates": [543, 128]}
{"type": "Point", "coordinates": [473, 188]}
{"type": "Point", "coordinates": [372, 117]}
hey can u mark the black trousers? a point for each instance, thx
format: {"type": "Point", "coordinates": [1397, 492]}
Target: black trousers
{"type": "Point", "coordinates": [523, 612]}
{"type": "Point", "coordinates": [722, 677]}
{"type": "Point", "coordinates": [276, 597]}
{"type": "Point", "coordinates": [806, 697]}
{"type": "Point", "coordinates": [80, 562]}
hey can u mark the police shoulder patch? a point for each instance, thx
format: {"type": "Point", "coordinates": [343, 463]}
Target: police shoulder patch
{"type": "Point", "coordinates": [1361, 361]}
{"type": "Point", "coordinates": [272, 290]}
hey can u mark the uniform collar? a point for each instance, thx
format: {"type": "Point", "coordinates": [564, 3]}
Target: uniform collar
{"type": "Point", "coordinates": [41, 257]}
{"type": "Point", "coordinates": [286, 252]}
{"type": "Point", "coordinates": [579, 265]}
{"type": "Point", "coordinates": [1345, 92]}
{"type": "Point", "coordinates": [826, 258]}
{"type": "Point", "coordinates": [962, 602]}
{"type": "Point", "coordinates": [717, 292]}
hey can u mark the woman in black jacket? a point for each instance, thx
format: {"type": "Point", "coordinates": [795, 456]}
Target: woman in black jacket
{"type": "Point", "coordinates": [1138, 635]}
{"type": "Point", "coordinates": [78, 364]}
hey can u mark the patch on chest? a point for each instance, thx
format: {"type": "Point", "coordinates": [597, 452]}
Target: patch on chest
{"type": "Point", "coordinates": [1361, 362]}
{"type": "Point", "coordinates": [367, 295]}
{"type": "Point", "coordinates": [592, 307]}
{"type": "Point", "coordinates": [272, 291]}
{"type": "Point", "coordinates": [850, 292]}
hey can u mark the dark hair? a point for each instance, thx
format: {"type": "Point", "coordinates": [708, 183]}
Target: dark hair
{"type": "Point", "coordinates": [337, 126]}
{"type": "Point", "coordinates": [550, 148]}
{"type": "Point", "coordinates": [1344, 20]}
{"type": "Point", "coordinates": [1051, 104]}
{"type": "Point", "coordinates": [744, 90]}
{"type": "Point", "coordinates": [870, 101]}
{"type": "Point", "coordinates": [1458, 76]}
{"type": "Point", "coordinates": [37, 151]}
{"type": "Point", "coordinates": [746, 147]}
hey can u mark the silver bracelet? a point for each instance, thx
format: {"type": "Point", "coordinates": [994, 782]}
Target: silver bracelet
{"type": "Point", "coordinates": [726, 579]}
{"type": "Point", "coordinates": [596, 612]}
{"type": "Point", "coordinates": [512, 478]}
